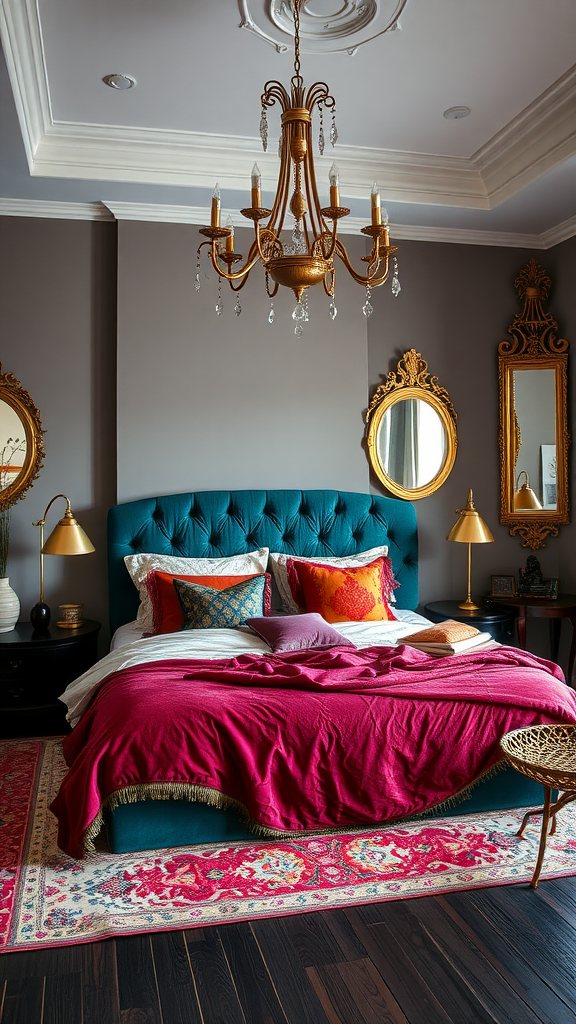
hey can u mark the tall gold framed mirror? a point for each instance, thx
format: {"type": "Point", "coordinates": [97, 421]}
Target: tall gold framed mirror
{"type": "Point", "coordinates": [411, 430]}
{"type": "Point", "coordinates": [534, 438]}
{"type": "Point", "coordinates": [21, 440]}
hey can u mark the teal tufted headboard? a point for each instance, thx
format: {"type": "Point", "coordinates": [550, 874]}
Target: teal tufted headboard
{"type": "Point", "coordinates": [216, 523]}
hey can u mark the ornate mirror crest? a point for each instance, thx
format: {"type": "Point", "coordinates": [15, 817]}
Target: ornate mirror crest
{"type": "Point", "coordinates": [21, 441]}
{"type": "Point", "coordinates": [411, 430]}
{"type": "Point", "coordinates": [533, 439]}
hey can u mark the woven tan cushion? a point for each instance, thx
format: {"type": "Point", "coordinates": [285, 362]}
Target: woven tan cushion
{"type": "Point", "coordinates": [447, 632]}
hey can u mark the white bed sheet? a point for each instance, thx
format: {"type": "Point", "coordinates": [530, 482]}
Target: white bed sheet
{"type": "Point", "coordinates": [129, 648]}
{"type": "Point", "coordinates": [131, 631]}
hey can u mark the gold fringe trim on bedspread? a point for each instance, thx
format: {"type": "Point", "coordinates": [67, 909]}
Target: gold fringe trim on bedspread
{"type": "Point", "coordinates": [214, 798]}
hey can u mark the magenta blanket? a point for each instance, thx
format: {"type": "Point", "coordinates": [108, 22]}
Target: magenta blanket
{"type": "Point", "coordinates": [306, 740]}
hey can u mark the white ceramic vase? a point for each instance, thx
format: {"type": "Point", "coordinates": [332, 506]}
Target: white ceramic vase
{"type": "Point", "coordinates": [9, 606]}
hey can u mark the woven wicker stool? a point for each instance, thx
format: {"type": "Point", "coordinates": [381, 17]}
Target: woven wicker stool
{"type": "Point", "coordinates": [547, 754]}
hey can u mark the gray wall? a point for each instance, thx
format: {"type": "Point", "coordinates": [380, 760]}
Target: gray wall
{"type": "Point", "coordinates": [224, 402]}
{"type": "Point", "coordinates": [455, 306]}
{"type": "Point", "coordinates": [562, 265]}
{"type": "Point", "coordinates": [230, 402]}
{"type": "Point", "coordinates": [57, 295]}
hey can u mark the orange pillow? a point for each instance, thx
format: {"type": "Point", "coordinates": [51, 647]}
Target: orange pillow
{"type": "Point", "coordinates": [342, 595]}
{"type": "Point", "coordinates": [168, 614]}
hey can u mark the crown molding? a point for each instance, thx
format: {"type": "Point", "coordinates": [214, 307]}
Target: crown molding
{"type": "Point", "coordinates": [534, 142]}
{"type": "Point", "coordinates": [47, 209]}
{"type": "Point", "coordinates": [537, 140]}
{"type": "Point", "coordinates": [110, 210]}
{"type": "Point", "coordinates": [560, 233]}
{"type": "Point", "coordinates": [21, 38]}
{"type": "Point", "coordinates": [195, 160]}
{"type": "Point", "coordinates": [353, 226]}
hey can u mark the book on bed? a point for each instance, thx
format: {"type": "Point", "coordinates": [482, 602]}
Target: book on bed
{"type": "Point", "coordinates": [449, 637]}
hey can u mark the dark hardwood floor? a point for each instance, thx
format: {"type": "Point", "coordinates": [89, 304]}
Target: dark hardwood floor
{"type": "Point", "coordinates": [505, 955]}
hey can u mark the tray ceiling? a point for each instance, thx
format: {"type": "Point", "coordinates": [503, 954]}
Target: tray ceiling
{"type": "Point", "coordinates": [192, 117]}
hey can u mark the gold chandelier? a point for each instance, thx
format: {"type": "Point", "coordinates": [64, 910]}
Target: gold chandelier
{"type": "Point", "coordinates": [309, 258]}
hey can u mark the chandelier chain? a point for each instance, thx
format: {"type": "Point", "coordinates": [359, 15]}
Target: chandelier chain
{"type": "Point", "coordinates": [296, 5]}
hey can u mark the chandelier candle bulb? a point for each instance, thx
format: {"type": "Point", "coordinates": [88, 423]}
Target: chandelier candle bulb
{"type": "Point", "coordinates": [215, 215]}
{"type": "Point", "coordinates": [308, 258]}
{"type": "Point", "coordinates": [256, 187]}
{"type": "Point", "coordinates": [334, 179]}
{"type": "Point", "coordinates": [376, 210]}
{"type": "Point", "coordinates": [230, 237]}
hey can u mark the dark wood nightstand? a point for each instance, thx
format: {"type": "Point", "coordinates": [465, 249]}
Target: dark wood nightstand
{"type": "Point", "coordinates": [498, 622]}
{"type": "Point", "coordinates": [562, 607]}
{"type": "Point", "coordinates": [35, 669]}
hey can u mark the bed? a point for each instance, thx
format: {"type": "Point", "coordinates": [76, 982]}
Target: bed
{"type": "Point", "coordinates": [146, 812]}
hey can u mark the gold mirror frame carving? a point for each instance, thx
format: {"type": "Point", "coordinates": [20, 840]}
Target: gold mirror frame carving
{"type": "Point", "coordinates": [16, 396]}
{"type": "Point", "coordinates": [411, 379]}
{"type": "Point", "coordinates": [534, 346]}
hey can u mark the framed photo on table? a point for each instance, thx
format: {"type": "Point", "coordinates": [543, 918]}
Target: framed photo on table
{"type": "Point", "coordinates": [503, 586]}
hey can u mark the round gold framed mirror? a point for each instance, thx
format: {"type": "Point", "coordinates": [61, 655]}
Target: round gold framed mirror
{"type": "Point", "coordinates": [21, 441]}
{"type": "Point", "coordinates": [411, 430]}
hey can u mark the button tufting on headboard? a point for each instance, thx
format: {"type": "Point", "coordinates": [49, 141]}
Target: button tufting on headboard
{"type": "Point", "coordinates": [208, 523]}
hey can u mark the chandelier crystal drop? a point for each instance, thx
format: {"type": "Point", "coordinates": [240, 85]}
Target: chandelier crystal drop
{"type": "Point", "coordinates": [396, 286]}
{"type": "Point", "coordinates": [321, 139]}
{"type": "Point", "coordinates": [309, 257]}
{"type": "Point", "coordinates": [368, 308]}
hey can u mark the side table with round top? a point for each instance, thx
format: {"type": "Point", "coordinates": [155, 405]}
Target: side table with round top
{"type": "Point", "coordinates": [561, 607]}
{"type": "Point", "coordinates": [547, 754]}
{"type": "Point", "coordinates": [35, 668]}
{"type": "Point", "coordinates": [499, 622]}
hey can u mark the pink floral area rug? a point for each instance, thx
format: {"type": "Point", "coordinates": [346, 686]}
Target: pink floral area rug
{"type": "Point", "coordinates": [48, 899]}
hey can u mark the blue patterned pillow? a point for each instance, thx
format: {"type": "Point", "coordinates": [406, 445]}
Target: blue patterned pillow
{"type": "Point", "coordinates": [206, 608]}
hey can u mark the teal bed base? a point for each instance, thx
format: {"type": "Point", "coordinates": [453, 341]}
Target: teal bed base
{"type": "Point", "coordinates": [220, 523]}
{"type": "Point", "coordinates": [156, 824]}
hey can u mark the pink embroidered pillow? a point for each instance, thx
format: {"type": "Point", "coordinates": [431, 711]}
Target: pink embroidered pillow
{"type": "Point", "coordinates": [343, 595]}
{"type": "Point", "coordinates": [294, 565]}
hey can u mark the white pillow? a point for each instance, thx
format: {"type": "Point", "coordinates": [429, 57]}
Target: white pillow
{"type": "Point", "coordinates": [140, 565]}
{"type": "Point", "coordinates": [278, 561]}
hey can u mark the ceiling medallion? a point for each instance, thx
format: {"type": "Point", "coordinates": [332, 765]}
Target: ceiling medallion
{"type": "Point", "coordinates": [309, 258]}
{"type": "Point", "coordinates": [326, 26]}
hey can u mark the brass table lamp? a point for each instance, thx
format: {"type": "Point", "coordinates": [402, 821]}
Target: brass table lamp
{"type": "Point", "coordinates": [469, 529]}
{"type": "Point", "coordinates": [67, 538]}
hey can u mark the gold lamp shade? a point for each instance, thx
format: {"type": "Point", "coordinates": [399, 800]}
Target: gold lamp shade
{"type": "Point", "coordinates": [67, 538]}
{"type": "Point", "coordinates": [470, 529]}
{"type": "Point", "coordinates": [524, 497]}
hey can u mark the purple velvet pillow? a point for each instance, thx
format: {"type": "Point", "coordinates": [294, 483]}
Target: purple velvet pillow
{"type": "Point", "coordinates": [297, 632]}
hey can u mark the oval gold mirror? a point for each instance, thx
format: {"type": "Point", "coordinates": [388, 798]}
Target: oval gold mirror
{"type": "Point", "coordinates": [411, 430]}
{"type": "Point", "coordinates": [21, 442]}
{"type": "Point", "coordinates": [534, 439]}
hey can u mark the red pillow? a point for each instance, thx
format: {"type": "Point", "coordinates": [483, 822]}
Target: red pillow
{"type": "Point", "coordinates": [168, 615]}
{"type": "Point", "coordinates": [389, 584]}
{"type": "Point", "coordinates": [343, 595]}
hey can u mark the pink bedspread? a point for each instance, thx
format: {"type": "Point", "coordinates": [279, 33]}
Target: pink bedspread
{"type": "Point", "coordinates": [306, 740]}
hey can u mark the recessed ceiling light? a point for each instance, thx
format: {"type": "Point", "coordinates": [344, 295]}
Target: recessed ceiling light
{"type": "Point", "coordinates": [455, 113]}
{"type": "Point", "coordinates": [119, 81]}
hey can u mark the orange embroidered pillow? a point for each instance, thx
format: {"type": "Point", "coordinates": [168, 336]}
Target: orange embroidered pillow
{"type": "Point", "coordinates": [168, 614]}
{"type": "Point", "coordinates": [342, 595]}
